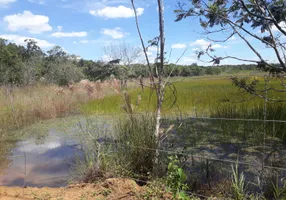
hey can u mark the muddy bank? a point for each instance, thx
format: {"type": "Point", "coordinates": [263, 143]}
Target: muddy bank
{"type": "Point", "coordinates": [108, 189]}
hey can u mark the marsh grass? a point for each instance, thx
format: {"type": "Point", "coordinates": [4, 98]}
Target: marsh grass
{"type": "Point", "coordinates": [132, 132]}
{"type": "Point", "coordinates": [203, 96]}
{"type": "Point", "coordinates": [213, 97]}
{"type": "Point", "coordinates": [22, 106]}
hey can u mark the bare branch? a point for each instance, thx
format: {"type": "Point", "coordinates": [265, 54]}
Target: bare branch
{"type": "Point", "coordinates": [225, 40]}
{"type": "Point", "coordinates": [275, 47]}
{"type": "Point", "coordinates": [141, 38]}
{"type": "Point", "coordinates": [249, 45]}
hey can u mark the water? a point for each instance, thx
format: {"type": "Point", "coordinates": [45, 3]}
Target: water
{"type": "Point", "coordinates": [41, 164]}
{"type": "Point", "coordinates": [45, 157]}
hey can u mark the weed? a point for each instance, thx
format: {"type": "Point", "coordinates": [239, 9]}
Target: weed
{"type": "Point", "coordinates": [105, 192]}
{"type": "Point", "coordinates": [238, 183]}
{"type": "Point", "coordinates": [279, 191]}
{"type": "Point", "coordinates": [176, 179]}
{"type": "Point", "coordinates": [131, 133]}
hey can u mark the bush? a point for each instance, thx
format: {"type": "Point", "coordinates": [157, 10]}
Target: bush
{"type": "Point", "coordinates": [63, 72]}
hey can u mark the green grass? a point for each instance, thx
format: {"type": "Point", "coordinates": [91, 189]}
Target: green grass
{"type": "Point", "coordinates": [202, 96]}
{"type": "Point", "coordinates": [189, 96]}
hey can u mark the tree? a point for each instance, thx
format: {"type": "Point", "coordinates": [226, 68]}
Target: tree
{"type": "Point", "coordinates": [127, 54]}
{"type": "Point", "coordinates": [244, 19]}
{"type": "Point", "coordinates": [10, 63]}
{"type": "Point", "coordinates": [252, 21]}
{"type": "Point", "coordinates": [122, 56]}
{"type": "Point", "coordinates": [59, 68]}
{"type": "Point", "coordinates": [156, 72]}
{"type": "Point", "coordinates": [32, 62]}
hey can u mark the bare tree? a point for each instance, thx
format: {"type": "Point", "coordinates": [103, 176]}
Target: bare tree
{"type": "Point", "coordinates": [157, 82]}
{"type": "Point", "coordinates": [127, 54]}
{"type": "Point", "coordinates": [124, 54]}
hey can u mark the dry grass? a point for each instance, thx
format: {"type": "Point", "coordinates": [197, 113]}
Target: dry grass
{"type": "Point", "coordinates": [20, 106]}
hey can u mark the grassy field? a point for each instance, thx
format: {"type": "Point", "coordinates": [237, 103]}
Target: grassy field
{"type": "Point", "coordinates": [201, 96]}
{"type": "Point", "coordinates": [208, 96]}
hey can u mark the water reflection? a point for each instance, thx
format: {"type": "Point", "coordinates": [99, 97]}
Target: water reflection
{"type": "Point", "coordinates": [46, 164]}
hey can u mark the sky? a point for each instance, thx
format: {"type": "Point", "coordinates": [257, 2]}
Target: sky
{"type": "Point", "coordinates": [84, 27]}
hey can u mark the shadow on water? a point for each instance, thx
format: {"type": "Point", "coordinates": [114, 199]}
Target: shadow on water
{"type": "Point", "coordinates": [210, 147]}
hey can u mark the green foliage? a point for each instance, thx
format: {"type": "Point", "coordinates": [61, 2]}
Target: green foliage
{"type": "Point", "coordinates": [10, 64]}
{"type": "Point", "coordinates": [136, 144]}
{"type": "Point", "coordinates": [279, 190]}
{"type": "Point", "coordinates": [246, 15]}
{"type": "Point", "coordinates": [62, 72]}
{"type": "Point", "coordinates": [25, 65]}
{"type": "Point", "coordinates": [238, 184]}
{"type": "Point", "coordinates": [176, 179]}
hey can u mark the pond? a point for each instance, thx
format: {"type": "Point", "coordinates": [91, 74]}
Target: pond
{"type": "Point", "coordinates": [46, 156]}
{"type": "Point", "coordinates": [41, 164]}
{"type": "Point", "coordinates": [47, 152]}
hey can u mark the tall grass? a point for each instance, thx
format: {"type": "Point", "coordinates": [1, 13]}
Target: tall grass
{"type": "Point", "coordinates": [20, 106]}
{"type": "Point", "coordinates": [203, 96]}
{"type": "Point", "coordinates": [23, 106]}
{"type": "Point", "coordinates": [131, 133]}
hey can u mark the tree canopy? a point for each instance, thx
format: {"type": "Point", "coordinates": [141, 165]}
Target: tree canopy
{"type": "Point", "coordinates": [261, 20]}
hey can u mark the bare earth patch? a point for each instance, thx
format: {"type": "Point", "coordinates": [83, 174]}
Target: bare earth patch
{"type": "Point", "coordinates": [109, 189]}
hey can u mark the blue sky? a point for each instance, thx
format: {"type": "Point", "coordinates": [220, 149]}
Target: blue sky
{"type": "Point", "coordinates": [83, 27]}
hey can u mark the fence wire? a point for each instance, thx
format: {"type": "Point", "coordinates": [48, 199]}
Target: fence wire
{"type": "Point", "coordinates": [220, 131]}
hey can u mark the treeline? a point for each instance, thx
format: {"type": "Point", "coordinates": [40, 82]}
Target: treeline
{"type": "Point", "coordinates": [26, 65]}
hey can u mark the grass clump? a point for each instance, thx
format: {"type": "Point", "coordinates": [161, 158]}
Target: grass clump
{"type": "Point", "coordinates": [136, 143]}
{"type": "Point", "coordinates": [238, 183]}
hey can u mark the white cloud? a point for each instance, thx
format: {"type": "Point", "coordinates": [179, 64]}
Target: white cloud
{"type": "Point", "coordinates": [106, 58]}
{"type": "Point", "coordinates": [20, 40]}
{"type": "Point", "coordinates": [69, 34]}
{"type": "Point", "coordinates": [232, 38]}
{"type": "Point", "coordinates": [83, 41]}
{"type": "Point", "coordinates": [28, 21]}
{"type": "Point", "coordinates": [217, 46]}
{"type": "Point", "coordinates": [115, 33]}
{"type": "Point", "coordinates": [116, 12]}
{"type": "Point", "coordinates": [203, 44]}
{"type": "Point", "coordinates": [178, 46]}
{"type": "Point", "coordinates": [38, 1]}
{"type": "Point", "coordinates": [4, 3]}
{"type": "Point", "coordinates": [188, 60]}
{"type": "Point", "coordinates": [153, 48]}
{"type": "Point", "coordinates": [193, 58]}
{"type": "Point", "coordinates": [60, 28]}
{"type": "Point", "coordinates": [86, 41]}
{"type": "Point", "coordinates": [30, 147]}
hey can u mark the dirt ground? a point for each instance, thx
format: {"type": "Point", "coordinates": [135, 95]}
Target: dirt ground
{"type": "Point", "coordinates": [109, 189]}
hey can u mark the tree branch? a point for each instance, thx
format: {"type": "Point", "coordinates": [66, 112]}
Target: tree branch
{"type": "Point", "coordinates": [142, 42]}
